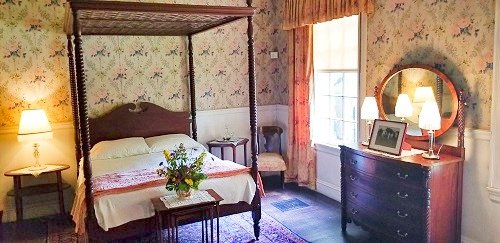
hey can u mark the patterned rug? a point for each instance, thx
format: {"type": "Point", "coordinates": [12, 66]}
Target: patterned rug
{"type": "Point", "coordinates": [234, 228]}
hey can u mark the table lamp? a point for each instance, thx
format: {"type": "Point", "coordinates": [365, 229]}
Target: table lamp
{"type": "Point", "coordinates": [430, 119]}
{"type": "Point", "coordinates": [423, 94]}
{"type": "Point", "coordinates": [34, 127]}
{"type": "Point", "coordinates": [403, 107]}
{"type": "Point", "coordinates": [369, 112]}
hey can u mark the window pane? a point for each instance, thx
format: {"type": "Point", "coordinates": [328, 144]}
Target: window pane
{"type": "Point", "coordinates": [322, 130]}
{"type": "Point", "coordinates": [337, 131]}
{"type": "Point", "coordinates": [337, 107]}
{"type": "Point", "coordinates": [322, 83]}
{"type": "Point", "coordinates": [322, 106]}
{"type": "Point", "coordinates": [337, 84]}
{"type": "Point", "coordinates": [350, 132]}
{"type": "Point", "coordinates": [350, 109]}
{"type": "Point", "coordinates": [351, 83]}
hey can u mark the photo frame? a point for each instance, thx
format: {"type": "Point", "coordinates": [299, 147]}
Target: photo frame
{"type": "Point", "coordinates": [387, 136]}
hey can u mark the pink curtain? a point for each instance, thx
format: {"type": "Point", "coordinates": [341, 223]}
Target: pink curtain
{"type": "Point", "coordinates": [301, 156]}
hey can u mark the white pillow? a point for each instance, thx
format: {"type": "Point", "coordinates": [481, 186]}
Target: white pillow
{"type": "Point", "coordinates": [171, 142]}
{"type": "Point", "coordinates": [119, 148]}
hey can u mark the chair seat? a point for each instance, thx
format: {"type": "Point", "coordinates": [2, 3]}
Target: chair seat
{"type": "Point", "coordinates": [271, 162]}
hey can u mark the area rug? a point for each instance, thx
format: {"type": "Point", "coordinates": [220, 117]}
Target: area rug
{"type": "Point", "coordinates": [234, 228]}
{"type": "Point", "coordinates": [289, 204]}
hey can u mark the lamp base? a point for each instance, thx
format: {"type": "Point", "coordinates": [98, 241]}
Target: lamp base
{"type": "Point", "coordinates": [428, 155]}
{"type": "Point", "coordinates": [37, 167]}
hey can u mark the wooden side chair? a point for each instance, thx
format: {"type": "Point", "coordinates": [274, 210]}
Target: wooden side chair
{"type": "Point", "coordinates": [271, 158]}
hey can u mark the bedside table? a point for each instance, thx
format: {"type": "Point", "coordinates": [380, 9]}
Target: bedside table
{"type": "Point", "coordinates": [232, 144]}
{"type": "Point", "coordinates": [19, 192]}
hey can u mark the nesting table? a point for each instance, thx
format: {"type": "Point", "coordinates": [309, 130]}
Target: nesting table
{"type": "Point", "coordinates": [232, 144]}
{"type": "Point", "coordinates": [168, 217]}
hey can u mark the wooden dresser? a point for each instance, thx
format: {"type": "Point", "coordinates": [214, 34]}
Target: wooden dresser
{"type": "Point", "coordinates": [408, 199]}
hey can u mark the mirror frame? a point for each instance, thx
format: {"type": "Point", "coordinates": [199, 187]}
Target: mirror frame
{"type": "Point", "coordinates": [446, 123]}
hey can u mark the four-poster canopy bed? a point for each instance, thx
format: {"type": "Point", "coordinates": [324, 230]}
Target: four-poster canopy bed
{"type": "Point", "coordinates": [147, 19]}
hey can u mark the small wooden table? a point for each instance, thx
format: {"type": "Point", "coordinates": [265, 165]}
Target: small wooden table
{"type": "Point", "coordinates": [205, 210]}
{"type": "Point", "coordinates": [19, 192]}
{"type": "Point", "coordinates": [233, 144]}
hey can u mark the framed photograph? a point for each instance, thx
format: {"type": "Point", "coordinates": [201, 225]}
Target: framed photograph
{"type": "Point", "coordinates": [387, 136]}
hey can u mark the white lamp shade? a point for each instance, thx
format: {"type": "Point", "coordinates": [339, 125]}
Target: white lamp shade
{"type": "Point", "coordinates": [404, 107]}
{"type": "Point", "coordinates": [34, 126]}
{"type": "Point", "coordinates": [429, 118]}
{"type": "Point", "coordinates": [423, 94]}
{"type": "Point", "coordinates": [369, 109]}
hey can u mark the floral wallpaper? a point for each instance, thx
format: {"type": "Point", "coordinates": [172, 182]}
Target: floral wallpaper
{"type": "Point", "coordinates": [33, 65]}
{"type": "Point", "coordinates": [33, 62]}
{"type": "Point", "coordinates": [453, 36]}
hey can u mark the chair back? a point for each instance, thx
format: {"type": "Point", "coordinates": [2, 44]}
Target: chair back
{"type": "Point", "coordinates": [271, 137]}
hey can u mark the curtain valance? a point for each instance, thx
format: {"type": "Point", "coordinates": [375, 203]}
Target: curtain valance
{"type": "Point", "coordinates": [298, 13]}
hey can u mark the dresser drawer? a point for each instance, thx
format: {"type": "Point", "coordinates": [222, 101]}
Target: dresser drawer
{"type": "Point", "coordinates": [391, 211]}
{"type": "Point", "coordinates": [393, 231]}
{"type": "Point", "coordinates": [405, 173]}
{"type": "Point", "coordinates": [396, 193]}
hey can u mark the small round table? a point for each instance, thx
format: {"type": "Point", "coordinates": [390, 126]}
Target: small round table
{"type": "Point", "coordinates": [231, 143]}
{"type": "Point", "coordinates": [19, 192]}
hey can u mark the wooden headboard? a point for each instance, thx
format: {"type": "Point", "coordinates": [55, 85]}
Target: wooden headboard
{"type": "Point", "coordinates": [143, 120]}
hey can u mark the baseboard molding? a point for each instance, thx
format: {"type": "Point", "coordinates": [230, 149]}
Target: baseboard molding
{"type": "Point", "coordinates": [328, 189]}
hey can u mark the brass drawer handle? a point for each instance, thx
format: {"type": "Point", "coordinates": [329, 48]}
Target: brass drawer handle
{"type": "Point", "coordinates": [354, 211]}
{"type": "Point", "coordinates": [402, 196]}
{"type": "Point", "coordinates": [401, 215]}
{"type": "Point", "coordinates": [353, 178]}
{"type": "Point", "coordinates": [353, 162]}
{"type": "Point", "coordinates": [403, 235]}
{"type": "Point", "coordinates": [354, 195]}
{"type": "Point", "coordinates": [402, 176]}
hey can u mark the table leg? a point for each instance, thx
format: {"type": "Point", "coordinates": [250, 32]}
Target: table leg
{"type": "Point", "coordinates": [169, 225]}
{"type": "Point", "coordinates": [245, 153]}
{"type": "Point", "coordinates": [218, 235]}
{"type": "Point", "coordinates": [202, 226]}
{"type": "Point", "coordinates": [176, 229]}
{"type": "Point", "coordinates": [210, 149]}
{"type": "Point", "coordinates": [234, 154]}
{"type": "Point", "coordinates": [60, 193]}
{"type": "Point", "coordinates": [205, 218]}
{"type": "Point", "coordinates": [159, 228]}
{"type": "Point", "coordinates": [222, 152]}
{"type": "Point", "coordinates": [18, 198]}
{"type": "Point", "coordinates": [212, 224]}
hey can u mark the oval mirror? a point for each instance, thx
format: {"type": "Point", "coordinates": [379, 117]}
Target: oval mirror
{"type": "Point", "coordinates": [416, 84]}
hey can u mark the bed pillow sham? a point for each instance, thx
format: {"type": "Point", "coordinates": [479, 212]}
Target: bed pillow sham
{"type": "Point", "coordinates": [119, 148]}
{"type": "Point", "coordinates": [171, 142]}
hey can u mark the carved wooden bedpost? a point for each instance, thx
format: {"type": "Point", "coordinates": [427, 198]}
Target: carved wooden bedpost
{"type": "Point", "coordinates": [256, 214]}
{"type": "Point", "coordinates": [463, 98]}
{"type": "Point", "coordinates": [192, 91]}
{"type": "Point", "coordinates": [74, 101]}
{"type": "Point", "coordinates": [83, 117]}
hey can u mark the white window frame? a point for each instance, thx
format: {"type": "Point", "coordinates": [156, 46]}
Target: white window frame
{"type": "Point", "coordinates": [362, 45]}
{"type": "Point", "coordinates": [494, 179]}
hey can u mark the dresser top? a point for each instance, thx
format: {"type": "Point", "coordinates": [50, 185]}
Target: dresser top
{"type": "Point", "coordinates": [414, 159]}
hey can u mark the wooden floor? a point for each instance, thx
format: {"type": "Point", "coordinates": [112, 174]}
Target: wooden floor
{"type": "Point", "coordinates": [318, 221]}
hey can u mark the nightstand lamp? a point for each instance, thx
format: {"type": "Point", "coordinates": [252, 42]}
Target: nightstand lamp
{"type": "Point", "coordinates": [34, 127]}
{"type": "Point", "coordinates": [402, 110]}
{"type": "Point", "coordinates": [430, 120]}
{"type": "Point", "coordinates": [369, 112]}
{"type": "Point", "coordinates": [403, 107]}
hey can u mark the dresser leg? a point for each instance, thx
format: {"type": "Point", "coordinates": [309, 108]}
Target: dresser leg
{"type": "Point", "coordinates": [344, 225]}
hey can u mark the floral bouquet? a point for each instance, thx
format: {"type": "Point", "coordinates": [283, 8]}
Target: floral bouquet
{"type": "Point", "coordinates": [182, 172]}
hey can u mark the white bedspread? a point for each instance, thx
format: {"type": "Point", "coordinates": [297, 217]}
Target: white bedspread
{"type": "Point", "coordinates": [117, 209]}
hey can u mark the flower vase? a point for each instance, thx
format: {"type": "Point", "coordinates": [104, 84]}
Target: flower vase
{"type": "Point", "coordinates": [182, 195]}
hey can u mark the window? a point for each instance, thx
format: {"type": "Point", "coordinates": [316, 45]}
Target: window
{"type": "Point", "coordinates": [336, 81]}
